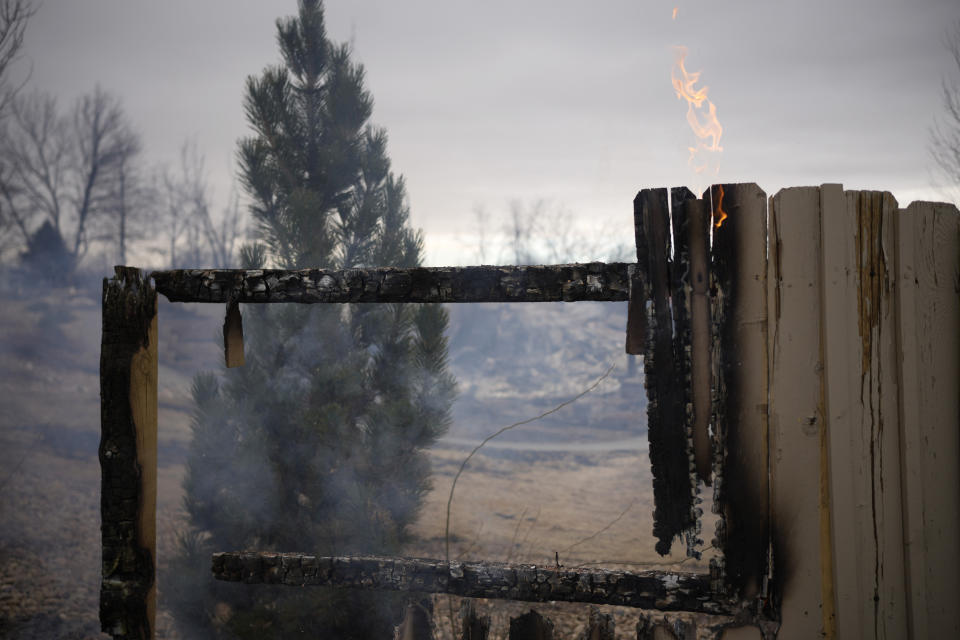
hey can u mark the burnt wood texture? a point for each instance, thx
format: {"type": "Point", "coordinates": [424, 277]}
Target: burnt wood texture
{"type": "Point", "coordinates": [663, 590]}
{"type": "Point", "coordinates": [595, 281]}
{"type": "Point", "coordinates": [739, 303]}
{"type": "Point", "coordinates": [128, 413]}
{"type": "Point", "coordinates": [663, 377]}
{"type": "Point", "coordinates": [473, 626]}
{"type": "Point", "coordinates": [531, 626]}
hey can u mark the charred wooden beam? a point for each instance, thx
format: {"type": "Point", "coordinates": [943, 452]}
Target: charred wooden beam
{"type": "Point", "coordinates": [663, 590]}
{"type": "Point", "coordinates": [739, 353]}
{"type": "Point", "coordinates": [128, 455]}
{"type": "Point", "coordinates": [666, 406]}
{"type": "Point", "coordinates": [595, 281]}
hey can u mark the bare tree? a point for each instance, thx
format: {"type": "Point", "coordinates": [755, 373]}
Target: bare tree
{"type": "Point", "coordinates": [193, 236]}
{"type": "Point", "coordinates": [131, 198]}
{"type": "Point", "coordinates": [59, 172]}
{"type": "Point", "coordinates": [945, 135]}
{"type": "Point", "coordinates": [14, 15]}
{"type": "Point", "coordinates": [537, 232]}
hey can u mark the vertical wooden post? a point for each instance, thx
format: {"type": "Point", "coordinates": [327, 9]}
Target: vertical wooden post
{"type": "Point", "coordinates": [639, 285]}
{"type": "Point", "coordinates": [861, 403]}
{"type": "Point", "coordinates": [677, 629]}
{"type": "Point", "coordinates": [472, 626]}
{"type": "Point", "coordinates": [128, 455]}
{"type": "Point", "coordinates": [797, 424]}
{"type": "Point", "coordinates": [739, 271]}
{"type": "Point", "coordinates": [665, 412]}
{"type": "Point", "coordinates": [682, 204]}
{"type": "Point", "coordinates": [417, 623]}
{"type": "Point", "coordinates": [928, 330]}
{"type": "Point", "coordinates": [666, 409]}
{"type": "Point", "coordinates": [698, 227]}
{"type": "Point", "coordinates": [600, 626]}
{"type": "Point", "coordinates": [531, 626]}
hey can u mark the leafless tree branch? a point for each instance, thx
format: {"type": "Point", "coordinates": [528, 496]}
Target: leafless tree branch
{"type": "Point", "coordinates": [194, 237]}
{"type": "Point", "coordinates": [67, 171]}
{"type": "Point", "coordinates": [945, 132]}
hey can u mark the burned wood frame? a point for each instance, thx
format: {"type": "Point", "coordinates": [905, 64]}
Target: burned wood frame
{"type": "Point", "coordinates": [681, 317]}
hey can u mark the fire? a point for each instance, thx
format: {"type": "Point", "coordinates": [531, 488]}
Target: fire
{"type": "Point", "coordinates": [720, 214]}
{"type": "Point", "coordinates": [701, 112]}
{"type": "Point", "coordinates": [675, 12]}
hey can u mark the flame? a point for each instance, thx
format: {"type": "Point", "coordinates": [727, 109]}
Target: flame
{"type": "Point", "coordinates": [675, 12]}
{"type": "Point", "coordinates": [701, 112]}
{"type": "Point", "coordinates": [720, 214]}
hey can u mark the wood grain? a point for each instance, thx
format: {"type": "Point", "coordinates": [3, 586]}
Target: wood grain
{"type": "Point", "coordinates": [128, 455]}
{"type": "Point", "coordinates": [595, 281]}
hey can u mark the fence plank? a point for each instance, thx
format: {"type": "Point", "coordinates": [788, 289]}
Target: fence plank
{"type": "Point", "coordinates": [739, 270]}
{"type": "Point", "coordinates": [663, 629]}
{"type": "Point", "coordinates": [666, 409]}
{"type": "Point", "coordinates": [849, 473]}
{"type": "Point", "coordinates": [472, 626]}
{"type": "Point", "coordinates": [796, 415]}
{"type": "Point", "coordinates": [698, 224]}
{"type": "Point", "coordinates": [861, 403]}
{"type": "Point", "coordinates": [928, 328]}
{"type": "Point", "coordinates": [531, 626]}
{"type": "Point", "coordinates": [683, 213]}
{"type": "Point", "coordinates": [128, 455]}
{"type": "Point", "coordinates": [600, 626]}
{"type": "Point", "coordinates": [417, 623]}
{"type": "Point", "coordinates": [639, 286]}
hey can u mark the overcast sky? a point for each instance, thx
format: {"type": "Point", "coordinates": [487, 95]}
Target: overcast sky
{"type": "Point", "coordinates": [572, 102]}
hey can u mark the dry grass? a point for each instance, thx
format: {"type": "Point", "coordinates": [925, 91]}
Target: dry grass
{"type": "Point", "coordinates": [525, 508]}
{"type": "Point", "coordinates": [509, 506]}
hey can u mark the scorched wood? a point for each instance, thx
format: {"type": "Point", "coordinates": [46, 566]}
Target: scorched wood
{"type": "Point", "coordinates": [594, 281]}
{"type": "Point", "coordinates": [666, 591]}
{"type": "Point", "coordinates": [739, 359]}
{"type": "Point", "coordinates": [128, 455]}
{"type": "Point", "coordinates": [666, 406]}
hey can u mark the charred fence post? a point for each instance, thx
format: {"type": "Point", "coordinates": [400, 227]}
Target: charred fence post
{"type": "Point", "coordinates": [531, 626]}
{"type": "Point", "coordinates": [666, 408]}
{"type": "Point", "coordinates": [128, 455]}
{"type": "Point", "coordinates": [697, 297]}
{"type": "Point", "coordinates": [600, 626]}
{"type": "Point", "coordinates": [681, 288]}
{"type": "Point", "coordinates": [472, 626]}
{"type": "Point", "coordinates": [739, 308]}
{"type": "Point", "coordinates": [649, 628]}
{"type": "Point", "coordinates": [417, 623]}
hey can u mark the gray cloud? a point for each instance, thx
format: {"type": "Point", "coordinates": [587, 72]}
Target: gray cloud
{"type": "Point", "coordinates": [485, 102]}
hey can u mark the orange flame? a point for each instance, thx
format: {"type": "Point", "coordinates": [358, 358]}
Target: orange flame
{"type": "Point", "coordinates": [720, 215]}
{"type": "Point", "coordinates": [701, 113]}
{"type": "Point", "coordinates": [675, 12]}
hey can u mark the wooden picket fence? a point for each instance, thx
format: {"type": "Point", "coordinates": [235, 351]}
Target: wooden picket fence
{"type": "Point", "coordinates": [802, 359]}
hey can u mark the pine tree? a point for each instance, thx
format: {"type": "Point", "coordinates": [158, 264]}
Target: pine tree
{"type": "Point", "coordinates": [317, 443]}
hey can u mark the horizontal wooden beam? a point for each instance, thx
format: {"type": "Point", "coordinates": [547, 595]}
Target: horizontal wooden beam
{"type": "Point", "coordinates": [662, 590]}
{"type": "Point", "coordinates": [595, 281]}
